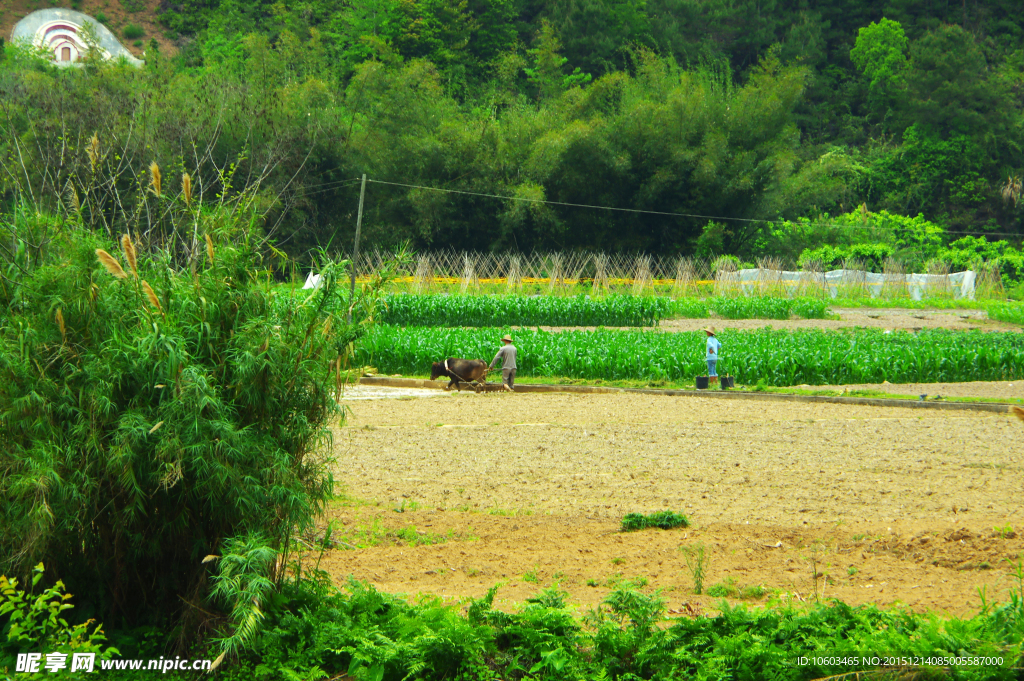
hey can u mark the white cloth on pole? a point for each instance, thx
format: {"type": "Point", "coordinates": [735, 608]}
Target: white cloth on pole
{"type": "Point", "coordinates": [961, 283]}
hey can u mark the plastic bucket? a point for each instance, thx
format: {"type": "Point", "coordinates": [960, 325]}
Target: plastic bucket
{"type": "Point", "coordinates": [727, 382]}
{"type": "Point", "coordinates": [702, 382]}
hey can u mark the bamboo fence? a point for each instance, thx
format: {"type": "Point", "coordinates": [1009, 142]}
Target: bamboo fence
{"type": "Point", "coordinates": [575, 272]}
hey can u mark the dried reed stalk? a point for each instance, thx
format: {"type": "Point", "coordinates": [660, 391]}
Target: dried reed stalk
{"type": "Point", "coordinates": [153, 300]}
{"type": "Point", "coordinates": [60, 325]}
{"type": "Point", "coordinates": [93, 150]}
{"type": "Point", "coordinates": [514, 280]}
{"type": "Point", "coordinates": [424, 276]}
{"type": "Point", "coordinates": [854, 282]}
{"type": "Point", "coordinates": [130, 255]}
{"type": "Point", "coordinates": [939, 285]}
{"type": "Point", "coordinates": [642, 279]}
{"type": "Point", "coordinates": [895, 285]}
{"type": "Point", "coordinates": [469, 277]}
{"type": "Point", "coordinates": [727, 279]}
{"type": "Point", "coordinates": [110, 264]}
{"type": "Point", "coordinates": [989, 281]}
{"type": "Point", "coordinates": [555, 273]}
{"type": "Point", "coordinates": [600, 274]}
{"type": "Point", "coordinates": [154, 178]}
{"type": "Point", "coordinates": [812, 279]}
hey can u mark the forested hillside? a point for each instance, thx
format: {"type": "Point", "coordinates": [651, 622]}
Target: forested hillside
{"type": "Point", "coordinates": [738, 110]}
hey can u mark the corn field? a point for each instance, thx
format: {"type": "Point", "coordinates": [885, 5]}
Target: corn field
{"type": "Point", "coordinates": [779, 358]}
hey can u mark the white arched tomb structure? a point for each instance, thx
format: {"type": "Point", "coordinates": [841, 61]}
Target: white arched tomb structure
{"type": "Point", "coordinates": [59, 32]}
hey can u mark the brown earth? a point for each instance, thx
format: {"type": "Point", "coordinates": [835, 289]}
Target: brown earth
{"type": "Point", "coordinates": [990, 390]}
{"type": "Point", "coordinates": [118, 17]}
{"type": "Point", "coordinates": [891, 319]}
{"type": "Point", "coordinates": [889, 505]}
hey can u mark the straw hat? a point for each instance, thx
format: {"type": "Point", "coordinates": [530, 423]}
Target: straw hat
{"type": "Point", "coordinates": [710, 329]}
{"type": "Point", "coordinates": [507, 338]}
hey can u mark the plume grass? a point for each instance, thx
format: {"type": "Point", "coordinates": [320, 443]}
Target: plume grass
{"type": "Point", "coordinates": [186, 188]}
{"type": "Point", "coordinates": [153, 300]}
{"type": "Point", "coordinates": [110, 264]}
{"type": "Point", "coordinates": [60, 325]}
{"type": "Point", "coordinates": [93, 150]}
{"type": "Point", "coordinates": [155, 178]}
{"type": "Point", "coordinates": [130, 254]}
{"type": "Point", "coordinates": [209, 247]}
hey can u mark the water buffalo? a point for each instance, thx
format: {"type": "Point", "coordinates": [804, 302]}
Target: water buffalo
{"type": "Point", "coordinates": [460, 370]}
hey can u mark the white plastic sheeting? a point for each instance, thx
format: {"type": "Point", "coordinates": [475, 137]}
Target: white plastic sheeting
{"type": "Point", "coordinates": [961, 284]}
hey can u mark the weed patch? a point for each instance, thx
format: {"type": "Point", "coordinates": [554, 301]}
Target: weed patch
{"type": "Point", "coordinates": [665, 520]}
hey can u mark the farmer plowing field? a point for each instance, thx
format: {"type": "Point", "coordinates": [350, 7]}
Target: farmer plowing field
{"type": "Point", "coordinates": [507, 352]}
{"type": "Point", "coordinates": [460, 371]}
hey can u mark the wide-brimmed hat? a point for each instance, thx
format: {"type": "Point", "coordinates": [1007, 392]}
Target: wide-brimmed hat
{"type": "Point", "coordinates": [710, 329]}
{"type": "Point", "coordinates": [507, 338]}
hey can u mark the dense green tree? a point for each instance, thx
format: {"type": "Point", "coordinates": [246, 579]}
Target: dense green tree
{"type": "Point", "coordinates": [881, 54]}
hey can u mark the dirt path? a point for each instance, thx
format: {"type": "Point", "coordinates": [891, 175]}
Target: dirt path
{"type": "Point", "coordinates": [907, 499]}
{"type": "Point", "coordinates": [891, 319]}
{"type": "Point", "coordinates": [993, 390]}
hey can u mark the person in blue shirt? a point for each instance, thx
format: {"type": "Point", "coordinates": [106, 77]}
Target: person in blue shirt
{"type": "Point", "coordinates": [713, 352]}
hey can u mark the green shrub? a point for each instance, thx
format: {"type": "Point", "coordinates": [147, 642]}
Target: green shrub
{"type": "Point", "coordinates": [370, 635]}
{"type": "Point", "coordinates": [152, 415]}
{"type": "Point", "coordinates": [1013, 314]}
{"type": "Point", "coordinates": [36, 623]}
{"type": "Point", "coordinates": [665, 520]}
{"type": "Point", "coordinates": [133, 32]}
{"type": "Point", "coordinates": [101, 17]}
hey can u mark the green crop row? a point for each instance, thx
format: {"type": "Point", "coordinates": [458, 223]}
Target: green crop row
{"type": "Point", "coordinates": [470, 310]}
{"type": "Point", "coordinates": [754, 307]}
{"type": "Point", "coordinates": [474, 310]}
{"type": "Point", "coordinates": [1014, 314]}
{"type": "Point", "coordinates": [778, 358]}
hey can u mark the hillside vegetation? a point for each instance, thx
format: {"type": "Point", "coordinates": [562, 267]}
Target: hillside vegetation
{"type": "Point", "coordinates": [734, 110]}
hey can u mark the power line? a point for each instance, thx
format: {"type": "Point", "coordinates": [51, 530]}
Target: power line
{"type": "Point", "coordinates": [622, 210]}
{"type": "Point", "coordinates": [563, 203]}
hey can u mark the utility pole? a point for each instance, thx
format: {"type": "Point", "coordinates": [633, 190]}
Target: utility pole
{"type": "Point", "coordinates": [355, 251]}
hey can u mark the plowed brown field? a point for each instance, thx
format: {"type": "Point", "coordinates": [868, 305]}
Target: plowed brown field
{"type": "Point", "coordinates": [866, 504]}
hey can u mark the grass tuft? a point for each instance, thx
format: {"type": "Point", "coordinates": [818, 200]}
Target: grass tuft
{"type": "Point", "coordinates": [665, 520]}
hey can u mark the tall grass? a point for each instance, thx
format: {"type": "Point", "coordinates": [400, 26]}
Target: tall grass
{"type": "Point", "coordinates": [150, 414]}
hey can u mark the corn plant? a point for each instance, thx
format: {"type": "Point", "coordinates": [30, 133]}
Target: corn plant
{"type": "Point", "coordinates": [470, 310]}
{"type": "Point", "coordinates": [753, 307]}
